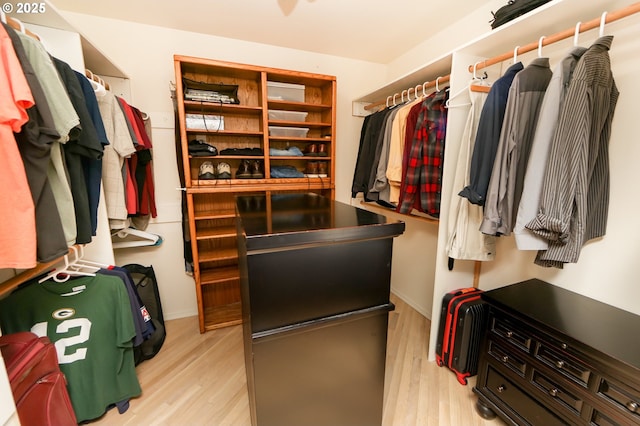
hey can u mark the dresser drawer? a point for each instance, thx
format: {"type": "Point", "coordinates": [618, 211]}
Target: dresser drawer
{"type": "Point", "coordinates": [560, 394]}
{"type": "Point", "coordinates": [508, 358]}
{"type": "Point", "coordinates": [563, 364]}
{"type": "Point", "coordinates": [600, 419]}
{"type": "Point", "coordinates": [518, 401]}
{"type": "Point", "coordinates": [511, 332]}
{"type": "Point", "coordinates": [625, 400]}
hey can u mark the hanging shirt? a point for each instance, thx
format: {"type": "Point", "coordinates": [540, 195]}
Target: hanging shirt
{"type": "Point", "coordinates": [379, 182]}
{"type": "Point", "coordinates": [67, 125]}
{"type": "Point", "coordinates": [424, 172]}
{"type": "Point", "coordinates": [396, 148]}
{"type": "Point", "coordinates": [575, 191]}
{"type": "Point", "coordinates": [120, 147]}
{"type": "Point", "coordinates": [93, 168]}
{"type": "Point", "coordinates": [464, 240]}
{"type": "Point", "coordinates": [547, 124]}
{"type": "Point", "coordinates": [484, 150]}
{"type": "Point", "coordinates": [79, 151]}
{"type": "Point", "coordinates": [521, 116]}
{"type": "Point", "coordinates": [17, 227]}
{"type": "Point", "coordinates": [90, 322]}
{"type": "Point", "coordinates": [34, 142]}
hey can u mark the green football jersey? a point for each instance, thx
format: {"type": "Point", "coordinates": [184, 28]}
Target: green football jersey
{"type": "Point", "coordinates": [90, 322]}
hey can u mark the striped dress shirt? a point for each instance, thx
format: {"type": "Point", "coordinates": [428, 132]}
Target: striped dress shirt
{"type": "Point", "coordinates": [575, 193]}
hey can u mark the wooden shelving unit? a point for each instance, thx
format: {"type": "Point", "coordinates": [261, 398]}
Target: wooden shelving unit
{"type": "Point", "coordinates": [211, 203]}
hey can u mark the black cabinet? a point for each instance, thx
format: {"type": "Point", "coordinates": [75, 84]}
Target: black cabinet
{"type": "Point", "coordinates": [315, 280]}
{"type": "Point", "coordinates": [551, 356]}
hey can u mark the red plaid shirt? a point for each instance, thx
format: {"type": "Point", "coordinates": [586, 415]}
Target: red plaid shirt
{"type": "Point", "coordinates": [423, 175]}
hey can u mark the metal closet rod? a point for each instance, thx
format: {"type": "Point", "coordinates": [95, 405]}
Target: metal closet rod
{"type": "Point", "coordinates": [570, 32]}
{"type": "Point", "coordinates": [426, 85]}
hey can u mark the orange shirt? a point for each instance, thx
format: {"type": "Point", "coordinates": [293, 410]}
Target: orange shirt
{"type": "Point", "coordinates": [17, 213]}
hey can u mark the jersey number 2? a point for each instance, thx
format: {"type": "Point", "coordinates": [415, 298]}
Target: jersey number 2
{"type": "Point", "coordinates": [84, 329]}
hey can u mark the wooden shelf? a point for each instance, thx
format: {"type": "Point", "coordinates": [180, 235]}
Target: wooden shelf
{"type": "Point", "coordinates": [246, 125]}
{"type": "Point", "coordinates": [215, 214]}
{"type": "Point", "coordinates": [196, 107]}
{"type": "Point", "coordinates": [222, 316]}
{"type": "Point", "coordinates": [216, 232]}
{"type": "Point", "coordinates": [218, 255]}
{"type": "Point", "coordinates": [219, 275]}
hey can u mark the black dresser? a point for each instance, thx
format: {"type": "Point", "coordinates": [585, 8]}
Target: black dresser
{"type": "Point", "coordinates": [551, 356]}
{"type": "Point", "coordinates": [315, 279]}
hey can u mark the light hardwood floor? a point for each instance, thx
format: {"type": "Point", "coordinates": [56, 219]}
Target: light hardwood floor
{"type": "Point", "coordinates": [199, 379]}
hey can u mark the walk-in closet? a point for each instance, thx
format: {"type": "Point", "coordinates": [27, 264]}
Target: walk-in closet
{"type": "Point", "coordinates": [264, 206]}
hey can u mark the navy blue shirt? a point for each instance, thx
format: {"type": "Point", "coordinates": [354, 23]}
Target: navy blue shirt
{"type": "Point", "coordinates": [488, 136]}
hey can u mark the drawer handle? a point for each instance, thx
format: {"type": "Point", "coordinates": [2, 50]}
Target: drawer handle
{"type": "Point", "coordinates": [560, 364]}
{"type": "Point", "coordinates": [632, 406]}
{"type": "Point", "coordinates": [509, 334]}
{"type": "Point", "coordinates": [553, 392]}
{"type": "Point", "coordinates": [501, 388]}
{"type": "Point", "coordinates": [505, 359]}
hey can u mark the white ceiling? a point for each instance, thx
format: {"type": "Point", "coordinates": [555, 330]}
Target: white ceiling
{"type": "Point", "coordinates": [371, 30]}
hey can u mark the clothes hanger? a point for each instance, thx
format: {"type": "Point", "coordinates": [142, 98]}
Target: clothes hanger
{"type": "Point", "coordinates": [388, 97]}
{"type": "Point", "coordinates": [3, 17]}
{"type": "Point", "coordinates": [424, 90]}
{"type": "Point", "coordinates": [482, 87]}
{"type": "Point", "coordinates": [131, 237]}
{"type": "Point", "coordinates": [70, 269]}
{"type": "Point", "coordinates": [540, 40]}
{"type": "Point", "coordinates": [515, 54]}
{"type": "Point", "coordinates": [603, 20]}
{"type": "Point", "coordinates": [576, 34]}
{"type": "Point", "coordinates": [437, 85]}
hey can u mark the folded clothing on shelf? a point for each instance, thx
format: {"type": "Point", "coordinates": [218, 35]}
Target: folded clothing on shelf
{"type": "Point", "coordinates": [242, 151]}
{"type": "Point", "coordinates": [199, 148]}
{"type": "Point", "coordinates": [292, 151]}
{"type": "Point", "coordinates": [285, 172]}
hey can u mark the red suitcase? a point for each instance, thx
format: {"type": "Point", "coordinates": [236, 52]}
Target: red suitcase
{"type": "Point", "coordinates": [38, 386]}
{"type": "Point", "coordinates": [462, 324]}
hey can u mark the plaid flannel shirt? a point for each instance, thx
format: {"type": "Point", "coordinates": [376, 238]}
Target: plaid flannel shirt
{"type": "Point", "coordinates": [423, 174]}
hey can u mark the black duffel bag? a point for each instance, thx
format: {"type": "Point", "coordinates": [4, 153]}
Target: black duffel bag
{"type": "Point", "coordinates": [513, 9]}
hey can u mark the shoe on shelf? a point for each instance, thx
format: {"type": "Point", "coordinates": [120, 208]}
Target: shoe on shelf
{"type": "Point", "coordinates": [322, 168]}
{"type": "Point", "coordinates": [206, 171]}
{"type": "Point", "coordinates": [312, 168]}
{"type": "Point", "coordinates": [224, 171]}
{"type": "Point", "coordinates": [244, 170]}
{"type": "Point", "coordinates": [311, 150]}
{"type": "Point", "coordinates": [322, 150]}
{"type": "Point", "coordinates": [257, 169]}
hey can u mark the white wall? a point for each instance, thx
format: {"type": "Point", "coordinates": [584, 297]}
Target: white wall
{"type": "Point", "coordinates": [145, 53]}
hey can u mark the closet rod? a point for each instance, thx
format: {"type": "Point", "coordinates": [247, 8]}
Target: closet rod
{"type": "Point", "coordinates": [428, 85]}
{"type": "Point", "coordinates": [589, 25]}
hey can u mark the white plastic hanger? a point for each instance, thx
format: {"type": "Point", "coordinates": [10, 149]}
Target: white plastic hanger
{"type": "Point", "coordinates": [3, 16]}
{"type": "Point", "coordinates": [603, 20]}
{"type": "Point", "coordinates": [424, 92]}
{"type": "Point", "coordinates": [540, 40]}
{"type": "Point", "coordinates": [70, 269]}
{"type": "Point", "coordinates": [437, 85]}
{"type": "Point", "coordinates": [515, 54]}
{"type": "Point", "coordinates": [131, 237]}
{"type": "Point", "coordinates": [576, 34]}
